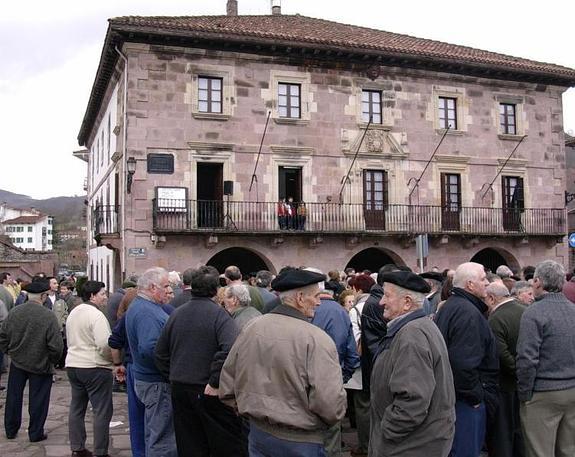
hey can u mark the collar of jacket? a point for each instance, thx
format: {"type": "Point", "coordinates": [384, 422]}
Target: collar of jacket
{"type": "Point", "coordinates": [477, 302]}
{"type": "Point", "coordinates": [286, 310]}
{"type": "Point", "coordinates": [396, 327]}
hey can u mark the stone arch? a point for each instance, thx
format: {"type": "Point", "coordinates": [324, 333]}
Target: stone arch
{"type": "Point", "coordinates": [373, 259]}
{"type": "Point", "coordinates": [493, 257]}
{"type": "Point", "coordinates": [246, 259]}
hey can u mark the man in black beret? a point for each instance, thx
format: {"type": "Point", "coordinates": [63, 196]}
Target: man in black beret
{"type": "Point", "coordinates": [31, 336]}
{"type": "Point", "coordinates": [283, 373]}
{"type": "Point", "coordinates": [412, 395]}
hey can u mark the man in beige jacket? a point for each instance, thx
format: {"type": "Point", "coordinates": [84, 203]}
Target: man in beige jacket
{"type": "Point", "coordinates": [283, 373]}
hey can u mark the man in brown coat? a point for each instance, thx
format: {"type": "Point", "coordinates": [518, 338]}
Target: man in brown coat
{"type": "Point", "coordinates": [283, 374]}
{"type": "Point", "coordinates": [412, 393]}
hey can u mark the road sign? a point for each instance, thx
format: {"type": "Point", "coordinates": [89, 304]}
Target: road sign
{"type": "Point", "coordinates": [572, 240]}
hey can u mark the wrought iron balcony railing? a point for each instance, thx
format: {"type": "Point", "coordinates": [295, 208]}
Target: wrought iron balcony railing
{"type": "Point", "coordinates": [183, 216]}
{"type": "Point", "coordinates": [106, 220]}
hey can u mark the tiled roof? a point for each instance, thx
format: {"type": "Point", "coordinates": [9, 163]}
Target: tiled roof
{"type": "Point", "coordinates": [24, 220]}
{"type": "Point", "coordinates": [283, 32]}
{"type": "Point", "coordinates": [302, 29]}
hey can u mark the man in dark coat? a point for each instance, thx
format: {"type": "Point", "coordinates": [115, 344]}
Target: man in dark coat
{"type": "Point", "coordinates": [412, 394]}
{"type": "Point", "coordinates": [473, 357]}
{"type": "Point", "coordinates": [31, 336]}
{"type": "Point", "coordinates": [504, 436]}
{"type": "Point", "coordinates": [186, 294]}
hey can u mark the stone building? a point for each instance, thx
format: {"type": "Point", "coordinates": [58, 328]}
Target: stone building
{"type": "Point", "coordinates": [570, 192]}
{"type": "Point", "coordinates": [197, 127]}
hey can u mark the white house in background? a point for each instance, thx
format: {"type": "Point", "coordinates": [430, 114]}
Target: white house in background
{"type": "Point", "coordinates": [28, 229]}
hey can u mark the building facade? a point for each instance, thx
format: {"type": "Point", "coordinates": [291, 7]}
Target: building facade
{"type": "Point", "coordinates": [28, 229]}
{"type": "Point", "coordinates": [198, 128]}
{"type": "Point", "coordinates": [570, 192]}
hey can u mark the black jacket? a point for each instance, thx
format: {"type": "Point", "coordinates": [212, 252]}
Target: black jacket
{"type": "Point", "coordinates": [472, 349]}
{"type": "Point", "coordinates": [373, 330]}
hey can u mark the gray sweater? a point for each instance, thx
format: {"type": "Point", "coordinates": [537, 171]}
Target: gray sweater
{"type": "Point", "coordinates": [31, 337]}
{"type": "Point", "coordinates": [546, 346]}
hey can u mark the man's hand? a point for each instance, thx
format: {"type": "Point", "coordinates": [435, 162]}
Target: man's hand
{"type": "Point", "coordinates": [120, 373]}
{"type": "Point", "coordinates": [211, 391]}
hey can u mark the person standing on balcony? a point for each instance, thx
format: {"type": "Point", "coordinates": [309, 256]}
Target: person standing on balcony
{"type": "Point", "coordinates": [282, 213]}
{"type": "Point", "coordinates": [301, 216]}
{"type": "Point", "coordinates": [473, 357]}
{"type": "Point", "coordinates": [546, 366]}
{"type": "Point", "coordinates": [290, 213]}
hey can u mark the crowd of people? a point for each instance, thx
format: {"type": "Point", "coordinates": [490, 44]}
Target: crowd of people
{"type": "Point", "coordinates": [451, 363]}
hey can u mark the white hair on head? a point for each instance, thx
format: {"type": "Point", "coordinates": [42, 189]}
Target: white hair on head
{"type": "Point", "coordinates": [241, 292]}
{"type": "Point", "coordinates": [152, 277]}
{"type": "Point", "coordinates": [503, 271]}
{"type": "Point", "coordinates": [497, 289]}
{"type": "Point", "coordinates": [468, 271]}
{"type": "Point", "coordinates": [416, 297]}
{"type": "Point", "coordinates": [174, 277]}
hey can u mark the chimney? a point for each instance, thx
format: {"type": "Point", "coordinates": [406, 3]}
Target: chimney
{"type": "Point", "coordinates": [276, 7]}
{"type": "Point", "coordinates": [232, 8]}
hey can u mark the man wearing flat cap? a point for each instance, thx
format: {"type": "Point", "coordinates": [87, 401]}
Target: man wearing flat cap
{"type": "Point", "coordinates": [412, 394]}
{"type": "Point", "coordinates": [283, 374]}
{"type": "Point", "coordinates": [31, 336]}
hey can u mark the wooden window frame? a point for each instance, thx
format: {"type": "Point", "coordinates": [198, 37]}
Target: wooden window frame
{"type": "Point", "coordinates": [504, 118]}
{"type": "Point", "coordinates": [371, 112]}
{"type": "Point", "coordinates": [442, 106]}
{"type": "Point", "coordinates": [288, 106]}
{"type": "Point", "coordinates": [210, 91]}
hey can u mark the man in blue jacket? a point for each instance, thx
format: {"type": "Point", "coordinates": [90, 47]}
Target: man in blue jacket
{"type": "Point", "coordinates": [145, 320]}
{"type": "Point", "coordinates": [472, 355]}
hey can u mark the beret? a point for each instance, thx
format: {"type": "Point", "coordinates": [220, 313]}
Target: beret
{"type": "Point", "coordinates": [294, 279]}
{"type": "Point", "coordinates": [432, 275]}
{"type": "Point", "coordinates": [407, 280]}
{"type": "Point", "coordinates": [38, 286]}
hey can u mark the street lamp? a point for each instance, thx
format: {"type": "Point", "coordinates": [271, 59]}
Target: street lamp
{"type": "Point", "coordinates": [131, 168]}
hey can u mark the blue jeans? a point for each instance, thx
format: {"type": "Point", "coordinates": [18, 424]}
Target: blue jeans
{"type": "Point", "coordinates": [159, 424]}
{"type": "Point", "coordinates": [136, 414]}
{"type": "Point", "coordinates": [470, 425]}
{"type": "Point", "coordinates": [262, 444]}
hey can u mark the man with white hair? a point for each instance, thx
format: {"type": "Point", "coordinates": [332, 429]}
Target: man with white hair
{"type": "Point", "coordinates": [546, 366]}
{"type": "Point", "coordinates": [283, 374]}
{"type": "Point", "coordinates": [145, 320]}
{"type": "Point", "coordinates": [412, 395]}
{"type": "Point", "coordinates": [504, 436]}
{"type": "Point", "coordinates": [503, 271]}
{"type": "Point", "coordinates": [237, 302]}
{"type": "Point", "coordinates": [523, 292]}
{"type": "Point", "coordinates": [473, 357]}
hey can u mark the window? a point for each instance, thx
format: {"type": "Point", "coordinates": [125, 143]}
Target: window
{"type": "Point", "coordinates": [209, 94]}
{"type": "Point", "coordinates": [371, 106]}
{"type": "Point", "coordinates": [289, 100]}
{"type": "Point", "coordinates": [448, 113]}
{"type": "Point", "coordinates": [19, 240]}
{"type": "Point", "coordinates": [19, 229]}
{"type": "Point", "coordinates": [29, 240]}
{"type": "Point", "coordinates": [109, 133]}
{"type": "Point", "coordinates": [30, 228]}
{"type": "Point", "coordinates": [49, 232]}
{"type": "Point", "coordinates": [513, 202]}
{"type": "Point", "coordinates": [375, 198]}
{"type": "Point", "coordinates": [450, 200]}
{"type": "Point", "coordinates": [102, 143]}
{"type": "Point", "coordinates": [507, 117]}
{"type": "Point", "coordinates": [50, 221]}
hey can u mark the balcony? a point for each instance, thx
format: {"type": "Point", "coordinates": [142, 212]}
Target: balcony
{"type": "Point", "coordinates": [106, 225]}
{"type": "Point", "coordinates": [196, 216]}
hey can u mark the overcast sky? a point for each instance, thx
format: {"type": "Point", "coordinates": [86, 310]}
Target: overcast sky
{"type": "Point", "coordinates": [50, 52]}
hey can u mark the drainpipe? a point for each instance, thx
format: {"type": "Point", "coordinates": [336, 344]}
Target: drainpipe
{"type": "Point", "coordinates": [124, 164]}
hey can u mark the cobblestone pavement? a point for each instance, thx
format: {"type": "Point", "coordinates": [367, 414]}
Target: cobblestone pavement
{"type": "Point", "coordinates": [56, 428]}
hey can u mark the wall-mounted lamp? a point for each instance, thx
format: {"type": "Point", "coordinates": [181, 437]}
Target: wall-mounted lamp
{"type": "Point", "coordinates": [131, 168]}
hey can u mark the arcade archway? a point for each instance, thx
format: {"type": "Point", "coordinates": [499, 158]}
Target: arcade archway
{"type": "Point", "coordinates": [373, 259]}
{"type": "Point", "coordinates": [492, 258]}
{"type": "Point", "coordinates": [246, 260]}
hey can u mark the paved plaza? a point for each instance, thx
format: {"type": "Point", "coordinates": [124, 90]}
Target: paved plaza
{"type": "Point", "coordinates": [56, 427]}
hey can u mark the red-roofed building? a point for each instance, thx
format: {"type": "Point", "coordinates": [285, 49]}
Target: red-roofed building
{"type": "Point", "coordinates": [28, 229]}
{"type": "Point", "coordinates": [180, 172]}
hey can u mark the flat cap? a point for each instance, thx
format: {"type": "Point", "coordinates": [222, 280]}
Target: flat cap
{"type": "Point", "coordinates": [294, 279]}
{"type": "Point", "coordinates": [407, 280]}
{"type": "Point", "coordinates": [437, 276]}
{"type": "Point", "coordinates": [38, 286]}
